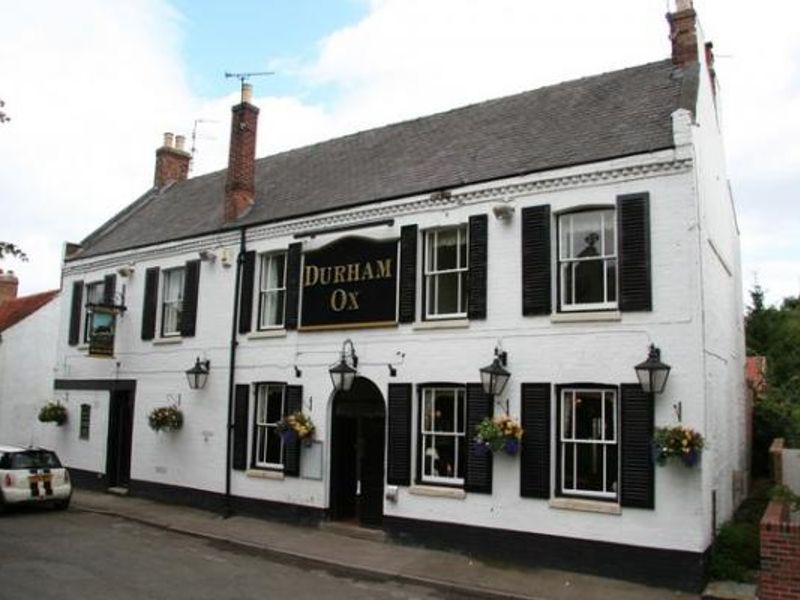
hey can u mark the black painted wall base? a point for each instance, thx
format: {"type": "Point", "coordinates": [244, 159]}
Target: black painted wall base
{"type": "Point", "coordinates": [214, 501]}
{"type": "Point", "coordinates": [673, 569]}
{"type": "Point", "coordinates": [89, 480]}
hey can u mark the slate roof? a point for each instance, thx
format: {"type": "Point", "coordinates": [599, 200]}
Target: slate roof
{"type": "Point", "coordinates": [15, 310]}
{"type": "Point", "coordinates": [615, 114]}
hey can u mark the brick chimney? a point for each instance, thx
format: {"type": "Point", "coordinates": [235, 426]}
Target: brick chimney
{"type": "Point", "coordinates": [240, 183]}
{"type": "Point", "coordinates": [683, 33]}
{"type": "Point", "coordinates": [172, 161]}
{"type": "Point", "coordinates": [8, 286]}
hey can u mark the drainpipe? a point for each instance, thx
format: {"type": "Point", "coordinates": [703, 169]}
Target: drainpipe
{"type": "Point", "coordinates": [232, 371]}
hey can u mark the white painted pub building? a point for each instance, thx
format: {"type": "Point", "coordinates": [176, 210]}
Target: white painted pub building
{"type": "Point", "coordinates": [562, 231]}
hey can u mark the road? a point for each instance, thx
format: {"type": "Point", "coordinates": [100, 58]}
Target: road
{"type": "Point", "coordinates": [48, 554]}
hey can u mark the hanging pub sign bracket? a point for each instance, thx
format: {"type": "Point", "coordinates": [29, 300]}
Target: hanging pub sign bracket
{"type": "Point", "coordinates": [102, 325]}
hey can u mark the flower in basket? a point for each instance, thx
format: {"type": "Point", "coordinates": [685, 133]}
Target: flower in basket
{"type": "Point", "coordinates": [498, 433]}
{"type": "Point", "coordinates": [297, 425]}
{"type": "Point", "coordinates": [53, 412]}
{"type": "Point", "coordinates": [168, 418]}
{"type": "Point", "coordinates": [679, 442]}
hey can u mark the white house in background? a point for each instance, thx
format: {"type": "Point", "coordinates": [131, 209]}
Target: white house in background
{"type": "Point", "coordinates": [567, 228]}
{"type": "Point", "coordinates": [28, 334]}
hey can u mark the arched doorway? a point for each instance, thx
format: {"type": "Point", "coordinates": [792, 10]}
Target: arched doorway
{"type": "Point", "coordinates": [357, 446]}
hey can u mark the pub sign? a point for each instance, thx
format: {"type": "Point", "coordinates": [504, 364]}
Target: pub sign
{"type": "Point", "coordinates": [350, 282]}
{"type": "Point", "coordinates": [101, 330]}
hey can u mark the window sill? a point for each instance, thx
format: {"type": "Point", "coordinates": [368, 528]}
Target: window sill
{"type": "Point", "coordinates": [165, 341]}
{"type": "Point", "coordinates": [437, 492]}
{"type": "Point", "coordinates": [595, 506]}
{"type": "Point", "coordinates": [82, 348]}
{"type": "Point", "coordinates": [583, 317]}
{"type": "Point", "coordinates": [443, 324]}
{"type": "Point", "coordinates": [264, 474]}
{"type": "Point", "coordinates": [266, 334]}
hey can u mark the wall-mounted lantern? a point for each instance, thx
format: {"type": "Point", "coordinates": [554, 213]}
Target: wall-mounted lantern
{"type": "Point", "coordinates": [494, 376]}
{"type": "Point", "coordinates": [198, 374]}
{"type": "Point", "coordinates": [653, 373]}
{"type": "Point", "coordinates": [343, 373]}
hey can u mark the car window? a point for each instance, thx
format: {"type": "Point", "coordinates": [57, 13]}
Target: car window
{"type": "Point", "coordinates": [35, 459]}
{"type": "Point", "coordinates": [5, 461]}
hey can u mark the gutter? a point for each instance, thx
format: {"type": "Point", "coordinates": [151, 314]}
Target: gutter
{"type": "Point", "coordinates": [234, 343]}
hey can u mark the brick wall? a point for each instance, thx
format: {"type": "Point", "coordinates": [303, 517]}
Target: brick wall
{"type": "Point", "coordinates": [780, 555]}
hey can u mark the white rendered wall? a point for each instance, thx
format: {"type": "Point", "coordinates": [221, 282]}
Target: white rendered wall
{"type": "Point", "coordinates": [27, 361]}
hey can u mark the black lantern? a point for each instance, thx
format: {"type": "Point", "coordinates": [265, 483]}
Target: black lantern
{"type": "Point", "coordinates": [198, 374]}
{"type": "Point", "coordinates": [342, 373]}
{"type": "Point", "coordinates": [494, 377]}
{"type": "Point", "coordinates": [653, 373]}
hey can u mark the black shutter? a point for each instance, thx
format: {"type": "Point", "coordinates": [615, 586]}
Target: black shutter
{"type": "Point", "coordinates": [633, 231]}
{"type": "Point", "coordinates": [479, 464]}
{"type": "Point", "coordinates": [478, 241]}
{"type": "Point", "coordinates": [150, 303]}
{"type": "Point", "coordinates": [109, 289]}
{"type": "Point", "coordinates": [534, 468]}
{"type": "Point", "coordinates": [408, 273]}
{"type": "Point", "coordinates": [246, 292]}
{"type": "Point", "coordinates": [398, 471]}
{"type": "Point", "coordinates": [191, 285]}
{"type": "Point", "coordinates": [536, 260]}
{"type": "Point", "coordinates": [293, 284]}
{"type": "Point", "coordinates": [291, 450]}
{"type": "Point", "coordinates": [240, 414]}
{"type": "Point", "coordinates": [75, 312]}
{"type": "Point", "coordinates": [638, 476]}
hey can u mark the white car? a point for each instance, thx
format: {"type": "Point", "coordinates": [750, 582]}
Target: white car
{"type": "Point", "coordinates": [32, 476]}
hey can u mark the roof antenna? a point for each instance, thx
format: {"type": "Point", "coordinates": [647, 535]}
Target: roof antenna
{"type": "Point", "coordinates": [194, 138]}
{"type": "Point", "coordinates": [243, 77]}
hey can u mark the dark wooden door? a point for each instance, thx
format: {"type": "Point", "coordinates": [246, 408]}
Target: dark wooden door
{"type": "Point", "coordinates": [370, 500]}
{"type": "Point", "coordinates": [344, 476]}
{"type": "Point", "coordinates": [120, 439]}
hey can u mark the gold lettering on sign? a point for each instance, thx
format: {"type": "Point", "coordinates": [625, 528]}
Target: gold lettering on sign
{"type": "Point", "coordinates": [341, 300]}
{"type": "Point", "coordinates": [349, 273]}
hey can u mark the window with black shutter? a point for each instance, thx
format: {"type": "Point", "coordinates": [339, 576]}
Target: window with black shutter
{"type": "Point", "coordinates": [150, 303]}
{"type": "Point", "coordinates": [443, 441]}
{"type": "Point", "coordinates": [408, 274]}
{"type": "Point", "coordinates": [478, 265]}
{"type": "Point", "coordinates": [479, 463]}
{"type": "Point", "coordinates": [246, 291]}
{"type": "Point", "coordinates": [191, 287]}
{"type": "Point", "coordinates": [293, 264]}
{"type": "Point", "coordinates": [240, 411]}
{"type": "Point", "coordinates": [109, 289]}
{"type": "Point", "coordinates": [535, 454]}
{"type": "Point", "coordinates": [633, 223]}
{"type": "Point", "coordinates": [399, 442]}
{"type": "Point", "coordinates": [536, 272]}
{"type": "Point", "coordinates": [291, 449]}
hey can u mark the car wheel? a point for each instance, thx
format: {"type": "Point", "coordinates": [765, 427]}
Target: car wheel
{"type": "Point", "coordinates": [63, 504]}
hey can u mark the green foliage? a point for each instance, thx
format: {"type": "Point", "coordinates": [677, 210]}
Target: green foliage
{"type": "Point", "coordinates": [736, 554]}
{"type": "Point", "coordinates": [53, 412]}
{"type": "Point", "coordinates": [7, 248]}
{"type": "Point", "coordinates": [166, 418]}
{"type": "Point", "coordinates": [784, 494]}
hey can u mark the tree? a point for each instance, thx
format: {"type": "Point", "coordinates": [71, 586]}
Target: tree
{"type": "Point", "coordinates": [9, 249]}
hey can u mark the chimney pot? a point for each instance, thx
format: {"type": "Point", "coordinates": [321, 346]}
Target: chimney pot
{"type": "Point", "coordinates": [683, 33]}
{"type": "Point", "coordinates": [180, 142]}
{"type": "Point", "coordinates": [247, 92]}
{"type": "Point", "coordinates": [169, 139]}
{"type": "Point", "coordinates": [681, 5]}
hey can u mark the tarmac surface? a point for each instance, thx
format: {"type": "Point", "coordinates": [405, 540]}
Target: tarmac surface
{"type": "Point", "coordinates": [335, 551]}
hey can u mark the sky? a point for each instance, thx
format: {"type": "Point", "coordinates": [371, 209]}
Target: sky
{"type": "Point", "coordinates": [91, 85]}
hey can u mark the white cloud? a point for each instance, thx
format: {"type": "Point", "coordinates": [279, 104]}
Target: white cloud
{"type": "Point", "coordinates": [91, 84]}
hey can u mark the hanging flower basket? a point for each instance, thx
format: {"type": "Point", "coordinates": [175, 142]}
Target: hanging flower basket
{"type": "Point", "coordinates": [496, 434]}
{"type": "Point", "coordinates": [683, 443]}
{"type": "Point", "coordinates": [296, 426]}
{"type": "Point", "coordinates": [165, 418]}
{"type": "Point", "coordinates": [53, 412]}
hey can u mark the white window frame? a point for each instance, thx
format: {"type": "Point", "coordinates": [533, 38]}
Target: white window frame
{"type": "Point", "coordinates": [262, 427]}
{"type": "Point", "coordinates": [432, 272]}
{"type": "Point", "coordinates": [565, 220]}
{"type": "Point", "coordinates": [267, 294]}
{"type": "Point", "coordinates": [459, 395]}
{"type": "Point", "coordinates": [169, 303]}
{"type": "Point", "coordinates": [603, 443]}
{"type": "Point", "coordinates": [87, 314]}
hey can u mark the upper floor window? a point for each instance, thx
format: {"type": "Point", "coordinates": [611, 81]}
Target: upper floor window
{"type": "Point", "coordinates": [587, 260]}
{"type": "Point", "coordinates": [446, 272]}
{"type": "Point", "coordinates": [589, 452]}
{"type": "Point", "coordinates": [272, 290]}
{"type": "Point", "coordinates": [94, 295]}
{"type": "Point", "coordinates": [270, 400]}
{"type": "Point", "coordinates": [443, 440]}
{"type": "Point", "coordinates": [172, 301]}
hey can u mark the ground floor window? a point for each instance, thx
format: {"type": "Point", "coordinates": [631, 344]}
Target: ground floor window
{"type": "Point", "coordinates": [588, 442]}
{"type": "Point", "coordinates": [268, 446]}
{"type": "Point", "coordinates": [443, 443]}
